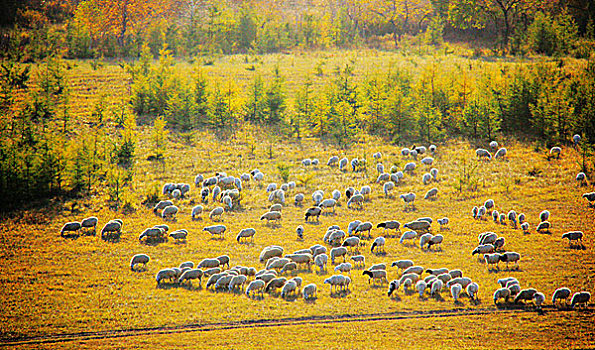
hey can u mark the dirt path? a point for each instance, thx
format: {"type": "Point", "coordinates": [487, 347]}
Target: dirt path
{"type": "Point", "coordinates": [112, 334]}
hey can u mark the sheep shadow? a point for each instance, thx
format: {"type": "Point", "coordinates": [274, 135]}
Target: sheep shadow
{"type": "Point", "coordinates": [475, 302]}
{"type": "Point", "coordinates": [256, 297]}
{"type": "Point", "coordinates": [214, 238]}
{"type": "Point", "coordinates": [247, 243]}
{"type": "Point", "coordinates": [577, 247]}
{"type": "Point", "coordinates": [316, 223]}
{"type": "Point", "coordinates": [321, 273]}
{"type": "Point", "coordinates": [329, 213]}
{"type": "Point", "coordinates": [153, 242]}
{"type": "Point", "coordinates": [380, 253]}
{"type": "Point", "coordinates": [273, 225]}
{"type": "Point", "coordinates": [191, 287]}
{"type": "Point", "coordinates": [197, 218]}
{"type": "Point", "coordinates": [396, 298]}
{"type": "Point", "coordinates": [140, 269]}
{"type": "Point", "coordinates": [180, 241]}
{"type": "Point", "coordinates": [377, 286]}
{"type": "Point", "coordinates": [458, 303]}
{"type": "Point", "coordinates": [291, 298]}
{"type": "Point", "coordinates": [409, 209]}
{"type": "Point", "coordinates": [113, 238]}
{"type": "Point", "coordinates": [311, 301]}
{"type": "Point", "coordinates": [340, 294]}
{"type": "Point", "coordinates": [167, 286]}
{"type": "Point", "coordinates": [71, 236]}
{"type": "Point", "coordinates": [438, 297]}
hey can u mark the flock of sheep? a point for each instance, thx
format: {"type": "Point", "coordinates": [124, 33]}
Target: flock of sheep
{"type": "Point", "coordinates": [338, 244]}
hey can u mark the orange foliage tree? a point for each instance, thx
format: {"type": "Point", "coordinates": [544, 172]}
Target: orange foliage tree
{"type": "Point", "coordinates": [121, 18]}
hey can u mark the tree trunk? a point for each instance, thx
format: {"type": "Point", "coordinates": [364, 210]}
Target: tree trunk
{"type": "Point", "coordinates": [124, 26]}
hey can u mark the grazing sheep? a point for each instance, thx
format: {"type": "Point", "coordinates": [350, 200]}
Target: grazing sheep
{"type": "Point", "coordinates": [112, 226]}
{"type": "Point", "coordinates": [192, 274]}
{"type": "Point", "coordinates": [472, 290]}
{"type": "Point", "coordinates": [376, 275]}
{"type": "Point", "coordinates": [328, 203]}
{"type": "Point", "coordinates": [502, 293]}
{"type": "Point", "coordinates": [418, 270]}
{"type": "Point", "coordinates": [434, 173]}
{"type": "Point", "coordinates": [525, 226]}
{"type": "Point", "coordinates": [576, 138]}
{"type": "Point", "coordinates": [170, 212]}
{"type": "Point", "coordinates": [504, 281]}
{"type": "Point", "coordinates": [359, 260]}
{"type": "Point", "coordinates": [581, 177]}
{"type": "Point", "coordinates": [436, 240]}
{"type": "Point", "coordinates": [298, 199]}
{"type": "Point", "coordinates": [349, 192]}
{"type": "Point", "coordinates": [165, 274]}
{"type": "Point", "coordinates": [300, 232]}
{"type": "Point", "coordinates": [179, 234]}
{"type": "Point", "coordinates": [320, 261]}
{"type": "Point", "coordinates": [277, 263]}
{"type": "Point", "coordinates": [418, 225]}
{"type": "Point", "coordinates": [365, 191]}
{"type": "Point", "coordinates": [590, 197]}
{"type": "Point", "coordinates": [216, 192]}
{"type": "Point", "coordinates": [337, 252]}
{"type": "Point", "coordinates": [246, 233]}
{"type": "Point", "coordinates": [343, 267]}
{"type": "Point", "coordinates": [455, 273]}
{"type": "Point", "coordinates": [313, 211]}
{"type": "Point", "coordinates": [292, 266]}
{"type": "Point", "coordinates": [487, 238]}
{"type": "Point", "coordinates": [424, 239]}
{"type": "Point", "coordinates": [502, 219]}
{"type": "Point", "coordinates": [421, 287]}
{"type": "Point", "coordinates": [512, 218]}
{"type": "Point", "coordinates": [270, 252]}
{"type": "Point", "coordinates": [555, 151]}
{"type": "Point", "coordinates": [407, 235]}
{"type": "Point", "coordinates": [405, 152]}
{"type": "Point", "coordinates": [413, 153]}
{"type": "Point", "coordinates": [216, 230]}
{"type": "Point", "coordinates": [499, 243]}
{"type": "Point", "coordinates": [483, 249]}
{"type": "Point", "coordinates": [495, 216]}
{"type": "Point", "coordinates": [389, 225]}
{"type": "Point", "coordinates": [352, 242]}
{"type": "Point", "coordinates": [70, 227]}
{"type": "Point", "coordinates": [443, 222]}
{"type": "Point", "coordinates": [494, 144]}
{"type": "Point", "coordinates": [580, 298]}
{"type": "Point", "coordinates": [573, 236]}
{"type": "Point", "coordinates": [208, 263]}
{"type": "Point", "coordinates": [437, 272]}
{"type": "Point", "coordinates": [204, 194]}
{"type": "Point", "coordinates": [354, 164]}
{"type": "Point", "coordinates": [387, 187]}
{"type": "Point", "coordinates": [276, 207]}
{"type": "Point", "coordinates": [455, 291]}
{"type": "Point", "coordinates": [474, 212]}
{"type": "Point", "coordinates": [335, 281]}
{"type": "Point", "coordinates": [356, 199]}
{"type": "Point", "coordinates": [431, 193]}
{"type": "Point", "coordinates": [409, 167]}
{"type": "Point", "coordinates": [352, 226]}
{"type": "Point", "coordinates": [426, 178]}
{"type": "Point", "coordinates": [196, 211]}
{"type": "Point", "coordinates": [408, 198]}
{"type": "Point", "coordinates": [255, 286]}
{"type": "Point", "coordinates": [332, 161]}
{"type": "Point", "coordinates": [510, 257]}
{"type": "Point", "coordinates": [139, 259]}
{"type": "Point", "coordinates": [437, 286]}
{"type": "Point", "coordinates": [343, 163]}
{"type": "Point", "coordinates": [393, 286]}
{"type": "Point", "coordinates": [525, 294]}
{"type": "Point", "coordinates": [380, 168]}
{"type": "Point", "coordinates": [363, 227]}
{"type": "Point", "coordinates": [315, 162]}
{"type": "Point", "coordinates": [501, 153]}
{"type": "Point", "coordinates": [427, 161]}
{"type": "Point", "coordinates": [483, 153]}
{"type": "Point", "coordinates": [90, 222]}
{"type": "Point", "coordinates": [309, 291]}
{"type": "Point", "coordinates": [271, 216]}
{"type": "Point", "coordinates": [445, 277]}
{"type": "Point", "coordinates": [378, 242]}
{"type": "Point", "coordinates": [545, 225]}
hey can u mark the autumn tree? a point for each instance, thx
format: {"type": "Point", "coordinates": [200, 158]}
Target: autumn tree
{"type": "Point", "coordinates": [121, 18]}
{"type": "Point", "coordinates": [401, 15]}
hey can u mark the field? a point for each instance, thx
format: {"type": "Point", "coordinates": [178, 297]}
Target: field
{"type": "Point", "coordinates": [55, 289]}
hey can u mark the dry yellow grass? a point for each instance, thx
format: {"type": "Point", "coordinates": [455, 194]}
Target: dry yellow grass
{"type": "Point", "coordinates": [53, 285]}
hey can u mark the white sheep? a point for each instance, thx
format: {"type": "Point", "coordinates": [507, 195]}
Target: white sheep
{"type": "Point", "coordinates": [356, 199]}
{"type": "Point", "coordinates": [408, 198]}
{"type": "Point", "coordinates": [255, 286]}
{"type": "Point", "coordinates": [427, 161]}
{"type": "Point", "coordinates": [431, 194]}
{"type": "Point", "coordinates": [409, 167]}
{"type": "Point", "coordinates": [483, 153]}
{"type": "Point", "coordinates": [555, 151]}
{"type": "Point", "coordinates": [576, 138]}
{"type": "Point", "coordinates": [313, 211]}
{"type": "Point", "coordinates": [139, 259]}
{"type": "Point", "coordinates": [332, 161]}
{"type": "Point", "coordinates": [378, 242]}
{"type": "Point", "coordinates": [581, 178]}
{"type": "Point", "coordinates": [300, 232]}
{"type": "Point", "coordinates": [343, 267]}
{"type": "Point", "coordinates": [494, 144]}
{"type": "Point", "coordinates": [196, 211]}
{"type": "Point", "coordinates": [354, 164]}
{"type": "Point", "coordinates": [580, 298]}
{"type": "Point", "coordinates": [343, 163]}
{"type": "Point", "coordinates": [335, 281]}
{"type": "Point", "coordinates": [298, 199]}
{"type": "Point", "coordinates": [437, 286]}
{"type": "Point", "coordinates": [338, 252]}
{"type": "Point", "coordinates": [352, 242]}
{"type": "Point", "coordinates": [376, 275]}
{"type": "Point", "coordinates": [90, 222]}
{"type": "Point", "coordinates": [165, 274]}
{"type": "Point", "coordinates": [501, 153]}
{"type": "Point", "coordinates": [216, 212]}
{"type": "Point", "coordinates": [309, 291]}
{"type": "Point", "coordinates": [502, 293]}
{"type": "Point", "coordinates": [271, 216]}
{"type": "Point", "coordinates": [70, 227]}
{"type": "Point", "coordinates": [455, 291]}
{"type": "Point", "coordinates": [320, 261]}
{"type": "Point", "coordinates": [421, 287]}
{"type": "Point", "coordinates": [191, 274]}
{"type": "Point", "coordinates": [315, 162]}
{"type": "Point", "coordinates": [405, 152]}
{"type": "Point", "coordinates": [383, 178]}
{"type": "Point", "coordinates": [380, 168]}
{"type": "Point", "coordinates": [216, 230]}
{"type": "Point", "coordinates": [472, 290]}
{"type": "Point", "coordinates": [328, 203]}
{"type": "Point", "coordinates": [407, 235]}
{"type": "Point", "coordinates": [246, 233]}
{"type": "Point", "coordinates": [359, 260]}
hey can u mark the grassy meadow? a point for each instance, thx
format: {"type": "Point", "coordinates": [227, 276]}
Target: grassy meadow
{"type": "Point", "coordinates": [53, 285]}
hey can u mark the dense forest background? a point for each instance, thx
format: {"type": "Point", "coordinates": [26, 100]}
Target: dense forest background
{"type": "Point", "coordinates": [476, 69]}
